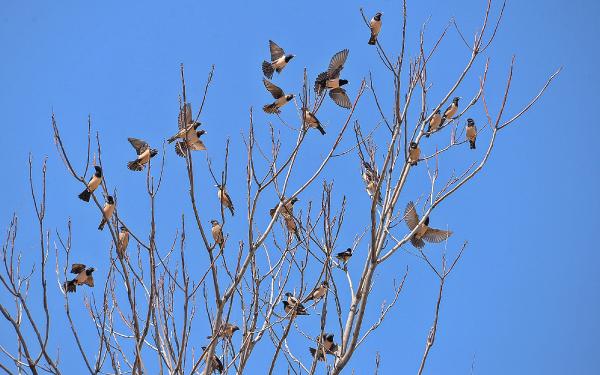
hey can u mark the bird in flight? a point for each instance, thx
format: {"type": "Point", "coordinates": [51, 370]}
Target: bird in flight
{"type": "Point", "coordinates": [330, 80]}
{"type": "Point", "coordinates": [144, 154]}
{"type": "Point", "coordinates": [280, 97]}
{"type": "Point", "coordinates": [279, 59]}
{"type": "Point", "coordinates": [188, 133]}
{"type": "Point", "coordinates": [84, 277]}
{"type": "Point", "coordinates": [424, 232]}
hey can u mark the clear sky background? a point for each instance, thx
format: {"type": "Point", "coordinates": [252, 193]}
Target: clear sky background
{"type": "Point", "coordinates": [524, 299]}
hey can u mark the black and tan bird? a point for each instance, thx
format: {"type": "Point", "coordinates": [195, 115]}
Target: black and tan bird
{"type": "Point", "coordinates": [345, 255]}
{"type": "Point", "coordinates": [217, 233]}
{"type": "Point", "coordinates": [423, 232]}
{"type": "Point", "coordinates": [375, 26]}
{"type": "Point", "coordinates": [215, 363]}
{"type": "Point", "coordinates": [318, 293]}
{"type": "Point", "coordinates": [414, 153]}
{"type": "Point", "coordinates": [331, 80]}
{"type": "Point", "coordinates": [312, 121]}
{"type": "Point", "coordinates": [326, 345]}
{"type": "Point", "coordinates": [434, 123]}
{"type": "Point", "coordinates": [92, 184]}
{"type": "Point", "coordinates": [279, 59]}
{"type": "Point", "coordinates": [471, 133]}
{"type": "Point", "coordinates": [451, 110]}
{"type": "Point", "coordinates": [144, 154]}
{"type": "Point", "coordinates": [107, 211]}
{"type": "Point", "coordinates": [84, 277]}
{"type": "Point", "coordinates": [188, 133]}
{"type": "Point", "coordinates": [224, 198]}
{"type": "Point", "coordinates": [123, 242]}
{"type": "Point", "coordinates": [287, 210]}
{"type": "Point", "coordinates": [226, 331]}
{"type": "Point", "coordinates": [291, 309]}
{"type": "Point", "coordinates": [292, 227]}
{"type": "Point", "coordinates": [280, 97]}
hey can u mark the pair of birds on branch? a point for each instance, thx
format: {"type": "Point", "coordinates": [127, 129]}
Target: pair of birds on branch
{"type": "Point", "coordinates": [438, 119]}
{"type": "Point", "coordinates": [292, 305]}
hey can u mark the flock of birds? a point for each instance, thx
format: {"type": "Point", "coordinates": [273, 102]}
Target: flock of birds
{"type": "Point", "coordinates": [188, 138]}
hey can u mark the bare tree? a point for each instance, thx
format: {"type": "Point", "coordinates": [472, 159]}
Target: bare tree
{"type": "Point", "coordinates": [146, 311]}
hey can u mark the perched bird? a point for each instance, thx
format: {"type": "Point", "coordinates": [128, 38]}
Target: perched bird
{"type": "Point", "coordinates": [414, 153]}
{"type": "Point", "coordinates": [281, 99]}
{"type": "Point", "coordinates": [423, 231]}
{"type": "Point", "coordinates": [279, 60]}
{"type": "Point", "coordinates": [224, 198]}
{"type": "Point", "coordinates": [451, 110]}
{"type": "Point", "coordinates": [471, 132]}
{"type": "Point", "coordinates": [84, 276]}
{"type": "Point", "coordinates": [434, 123]}
{"type": "Point", "coordinates": [215, 363]}
{"type": "Point", "coordinates": [92, 185]}
{"type": "Point", "coordinates": [292, 227]}
{"type": "Point", "coordinates": [372, 190]}
{"type": "Point", "coordinates": [326, 345]}
{"type": "Point", "coordinates": [227, 330]}
{"type": "Point", "coordinates": [292, 300]}
{"type": "Point", "coordinates": [318, 293]}
{"type": "Point", "coordinates": [217, 233]}
{"type": "Point", "coordinates": [312, 121]}
{"type": "Point", "coordinates": [371, 178]}
{"type": "Point", "coordinates": [188, 133]}
{"type": "Point", "coordinates": [123, 242]}
{"type": "Point", "coordinates": [287, 210]}
{"type": "Point", "coordinates": [107, 211]}
{"type": "Point", "coordinates": [331, 80]}
{"type": "Point", "coordinates": [144, 153]}
{"type": "Point", "coordinates": [375, 26]}
{"type": "Point", "coordinates": [294, 309]}
{"type": "Point", "coordinates": [345, 255]}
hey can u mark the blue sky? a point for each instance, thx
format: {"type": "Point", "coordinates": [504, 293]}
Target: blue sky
{"type": "Point", "coordinates": [524, 299]}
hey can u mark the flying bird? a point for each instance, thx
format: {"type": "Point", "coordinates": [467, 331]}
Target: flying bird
{"type": "Point", "coordinates": [471, 132]}
{"type": "Point", "coordinates": [281, 98]}
{"type": "Point", "coordinates": [424, 232]}
{"type": "Point", "coordinates": [188, 133]}
{"type": "Point", "coordinates": [217, 233]}
{"type": "Point", "coordinates": [144, 154]}
{"type": "Point", "coordinates": [84, 277]}
{"type": "Point", "coordinates": [215, 363]}
{"type": "Point", "coordinates": [414, 153]}
{"type": "Point", "coordinates": [312, 121]}
{"type": "Point", "coordinates": [330, 79]}
{"type": "Point", "coordinates": [224, 198]}
{"type": "Point", "coordinates": [92, 184]}
{"type": "Point", "coordinates": [345, 255]}
{"type": "Point", "coordinates": [107, 211]}
{"type": "Point", "coordinates": [375, 26]}
{"type": "Point", "coordinates": [318, 293]}
{"type": "Point", "coordinates": [451, 110]}
{"type": "Point", "coordinates": [279, 59]}
{"type": "Point", "coordinates": [326, 345]}
{"type": "Point", "coordinates": [123, 242]}
{"type": "Point", "coordinates": [434, 123]}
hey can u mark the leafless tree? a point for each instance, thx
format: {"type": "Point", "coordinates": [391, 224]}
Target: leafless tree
{"type": "Point", "coordinates": [146, 311]}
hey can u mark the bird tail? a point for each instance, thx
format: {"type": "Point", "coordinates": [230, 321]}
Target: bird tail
{"type": "Point", "coordinates": [373, 40]}
{"type": "Point", "coordinates": [231, 209]}
{"type": "Point", "coordinates": [69, 286]}
{"type": "Point", "coordinates": [472, 144]}
{"type": "Point", "coordinates": [102, 224]}
{"type": "Point", "coordinates": [172, 139]}
{"type": "Point", "coordinates": [135, 165]}
{"type": "Point", "coordinates": [319, 354]}
{"type": "Point", "coordinates": [85, 195]}
{"type": "Point", "coordinates": [267, 69]}
{"type": "Point", "coordinates": [417, 242]}
{"type": "Point", "coordinates": [320, 128]}
{"type": "Point", "coordinates": [413, 163]}
{"type": "Point", "coordinates": [271, 108]}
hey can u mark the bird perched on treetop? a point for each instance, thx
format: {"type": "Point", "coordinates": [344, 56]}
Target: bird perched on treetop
{"type": "Point", "coordinates": [434, 123]}
{"type": "Point", "coordinates": [471, 132]}
{"type": "Point", "coordinates": [92, 184]}
{"type": "Point", "coordinates": [217, 233]}
{"type": "Point", "coordinates": [331, 80]}
{"type": "Point", "coordinates": [123, 242]}
{"type": "Point", "coordinates": [318, 293]}
{"type": "Point", "coordinates": [414, 153]}
{"type": "Point", "coordinates": [345, 255]}
{"type": "Point", "coordinates": [107, 211]}
{"type": "Point", "coordinates": [224, 198]}
{"type": "Point", "coordinates": [312, 121]}
{"type": "Point", "coordinates": [451, 110]}
{"type": "Point", "coordinates": [279, 60]}
{"type": "Point", "coordinates": [144, 154]}
{"type": "Point", "coordinates": [423, 231]}
{"type": "Point", "coordinates": [84, 276]}
{"type": "Point", "coordinates": [326, 345]}
{"type": "Point", "coordinates": [375, 26]}
{"type": "Point", "coordinates": [188, 133]}
{"type": "Point", "coordinates": [281, 98]}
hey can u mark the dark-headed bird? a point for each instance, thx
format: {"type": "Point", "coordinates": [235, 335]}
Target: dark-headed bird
{"type": "Point", "coordinates": [215, 363]}
{"type": "Point", "coordinates": [326, 345]}
{"type": "Point", "coordinates": [227, 330]}
{"type": "Point", "coordinates": [287, 210]}
{"type": "Point", "coordinates": [92, 184]}
{"type": "Point", "coordinates": [107, 211]}
{"type": "Point", "coordinates": [123, 242]}
{"type": "Point", "coordinates": [414, 153]}
{"type": "Point", "coordinates": [471, 132]}
{"type": "Point", "coordinates": [84, 277]}
{"type": "Point", "coordinates": [423, 231]}
{"type": "Point", "coordinates": [217, 233]}
{"type": "Point", "coordinates": [375, 26]}
{"type": "Point", "coordinates": [292, 227]}
{"type": "Point", "coordinates": [451, 110]}
{"type": "Point", "coordinates": [224, 198]}
{"type": "Point", "coordinates": [345, 255]}
{"type": "Point", "coordinates": [279, 59]}
{"type": "Point", "coordinates": [291, 309]}
{"type": "Point", "coordinates": [318, 293]}
{"type": "Point", "coordinates": [331, 80]}
{"type": "Point", "coordinates": [312, 121]}
{"type": "Point", "coordinates": [434, 123]}
{"type": "Point", "coordinates": [188, 133]}
{"type": "Point", "coordinates": [280, 97]}
{"type": "Point", "coordinates": [144, 153]}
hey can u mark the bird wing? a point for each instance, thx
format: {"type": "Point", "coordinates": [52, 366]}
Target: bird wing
{"type": "Point", "coordinates": [337, 64]}
{"type": "Point", "coordinates": [197, 146]}
{"type": "Point", "coordinates": [180, 149]}
{"type": "Point", "coordinates": [139, 145]}
{"type": "Point", "coordinates": [76, 268]}
{"type": "Point", "coordinates": [276, 51]}
{"type": "Point", "coordinates": [185, 116]}
{"type": "Point", "coordinates": [274, 90]}
{"type": "Point", "coordinates": [339, 96]}
{"type": "Point", "coordinates": [436, 235]}
{"type": "Point", "coordinates": [410, 216]}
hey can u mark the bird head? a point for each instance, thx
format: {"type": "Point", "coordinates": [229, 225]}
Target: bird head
{"type": "Point", "coordinates": [294, 200]}
{"type": "Point", "coordinates": [438, 112]}
{"type": "Point", "coordinates": [90, 270]}
{"type": "Point", "coordinates": [348, 250]}
{"type": "Point", "coordinates": [288, 294]}
{"type": "Point", "coordinates": [124, 229]}
{"type": "Point", "coordinates": [289, 97]}
{"type": "Point", "coordinates": [470, 122]}
{"type": "Point", "coordinates": [289, 57]}
{"type": "Point", "coordinates": [201, 132]}
{"type": "Point", "coordinates": [378, 16]}
{"type": "Point", "coordinates": [110, 200]}
{"type": "Point", "coordinates": [328, 337]}
{"type": "Point", "coordinates": [196, 124]}
{"type": "Point", "coordinates": [153, 152]}
{"type": "Point", "coordinates": [455, 100]}
{"type": "Point", "coordinates": [235, 328]}
{"type": "Point", "coordinates": [98, 171]}
{"type": "Point", "coordinates": [343, 82]}
{"type": "Point", "coordinates": [325, 284]}
{"type": "Point", "coordinates": [426, 222]}
{"type": "Point", "coordinates": [413, 145]}
{"type": "Point", "coordinates": [214, 222]}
